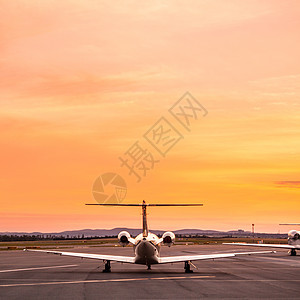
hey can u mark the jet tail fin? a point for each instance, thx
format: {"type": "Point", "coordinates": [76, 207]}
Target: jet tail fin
{"type": "Point", "coordinates": [144, 210]}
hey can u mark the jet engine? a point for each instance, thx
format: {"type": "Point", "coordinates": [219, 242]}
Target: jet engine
{"type": "Point", "coordinates": [168, 238]}
{"type": "Point", "coordinates": [294, 235]}
{"type": "Point", "coordinates": [123, 238]}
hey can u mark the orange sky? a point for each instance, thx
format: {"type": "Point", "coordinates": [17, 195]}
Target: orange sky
{"type": "Point", "coordinates": [81, 81]}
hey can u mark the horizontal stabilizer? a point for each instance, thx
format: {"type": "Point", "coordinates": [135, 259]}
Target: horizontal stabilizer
{"type": "Point", "coordinates": [134, 204]}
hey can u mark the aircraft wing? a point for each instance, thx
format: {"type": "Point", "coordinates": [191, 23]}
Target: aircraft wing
{"type": "Point", "coordinates": [282, 246]}
{"type": "Point", "coordinates": [173, 259]}
{"type": "Point", "coordinates": [124, 259]}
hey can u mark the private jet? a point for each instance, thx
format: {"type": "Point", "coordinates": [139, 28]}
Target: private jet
{"type": "Point", "coordinates": [293, 242]}
{"type": "Point", "coordinates": [146, 246]}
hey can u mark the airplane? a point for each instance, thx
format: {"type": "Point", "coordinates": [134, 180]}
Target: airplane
{"type": "Point", "coordinates": [293, 242]}
{"type": "Point", "coordinates": [146, 246]}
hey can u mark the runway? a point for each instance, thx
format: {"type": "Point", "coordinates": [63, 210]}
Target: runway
{"type": "Point", "coordinates": [32, 275]}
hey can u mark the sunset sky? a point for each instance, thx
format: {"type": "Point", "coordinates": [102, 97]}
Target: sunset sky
{"type": "Point", "coordinates": [82, 81]}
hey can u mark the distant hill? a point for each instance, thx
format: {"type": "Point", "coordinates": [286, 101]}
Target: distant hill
{"type": "Point", "coordinates": [85, 232]}
{"type": "Point", "coordinates": [134, 232]}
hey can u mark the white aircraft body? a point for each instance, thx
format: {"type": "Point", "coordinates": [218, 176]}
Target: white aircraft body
{"type": "Point", "coordinates": [293, 242]}
{"type": "Point", "coordinates": [146, 246]}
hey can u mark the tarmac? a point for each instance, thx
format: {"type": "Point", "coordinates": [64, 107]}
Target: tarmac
{"type": "Point", "coordinates": [32, 275]}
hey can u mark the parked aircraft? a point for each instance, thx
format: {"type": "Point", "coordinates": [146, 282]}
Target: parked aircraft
{"type": "Point", "coordinates": [146, 246]}
{"type": "Point", "coordinates": [293, 242]}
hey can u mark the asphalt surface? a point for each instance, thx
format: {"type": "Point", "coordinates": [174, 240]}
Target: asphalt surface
{"type": "Point", "coordinates": [31, 275]}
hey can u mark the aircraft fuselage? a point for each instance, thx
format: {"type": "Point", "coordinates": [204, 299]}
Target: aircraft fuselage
{"type": "Point", "coordinates": [146, 249]}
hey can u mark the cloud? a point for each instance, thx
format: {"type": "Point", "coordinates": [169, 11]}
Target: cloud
{"type": "Point", "coordinates": [288, 184]}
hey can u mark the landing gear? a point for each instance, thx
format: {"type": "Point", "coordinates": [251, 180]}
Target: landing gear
{"type": "Point", "coordinates": [187, 267]}
{"type": "Point", "coordinates": [293, 252]}
{"type": "Point", "coordinates": [149, 267]}
{"type": "Point", "coordinates": [107, 268]}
